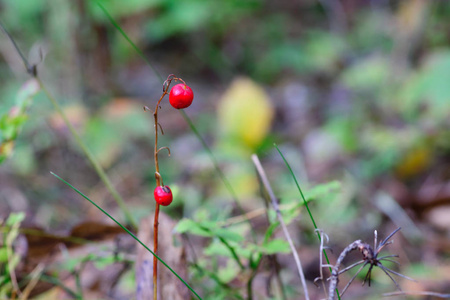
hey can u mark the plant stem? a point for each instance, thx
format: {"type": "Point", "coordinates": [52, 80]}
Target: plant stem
{"type": "Point", "coordinates": [141, 54]}
{"type": "Point", "coordinates": [155, 222]}
{"type": "Point", "coordinates": [155, 249]}
{"type": "Point", "coordinates": [159, 182]}
{"type": "Point", "coordinates": [274, 201]}
{"type": "Point", "coordinates": [254, 268]}
{"type": "Point", "coordinates": [307, 208]}
{"type": "Point", "coordinates": [276, 266]}
{"type": "Point", "coordinates": [334, 278]}
{"type": "Point", "coordinates": [156, 217]}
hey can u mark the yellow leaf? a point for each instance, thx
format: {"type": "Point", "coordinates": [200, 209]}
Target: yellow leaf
{"type": "Point", "coordinates": [414, 162]}
{"type": "Point", "coordinates": [245, 113]}
{"type": "Point", "coordinates": [6, 149]}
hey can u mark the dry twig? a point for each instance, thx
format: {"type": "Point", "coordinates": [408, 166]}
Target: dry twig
{"type": "Point", "coordinates": [274, 201]}
{"type": "Point", "coordinates": [370, 257]}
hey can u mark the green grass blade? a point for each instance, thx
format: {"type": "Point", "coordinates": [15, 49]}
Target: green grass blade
{"type": "Point", "coordinates": [141, 54]}
{"type": "Point", "coordinates": [298, 186]}
{"type": "Point", "coordinates": [306, 205]}
{"type": "Point", "coordinates": [130, 233]}
{"type": "Point", "coordinates": [55, 281]}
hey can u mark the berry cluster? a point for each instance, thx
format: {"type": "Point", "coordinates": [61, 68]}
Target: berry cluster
{"type": "Point", "coordinates": [180, 97]}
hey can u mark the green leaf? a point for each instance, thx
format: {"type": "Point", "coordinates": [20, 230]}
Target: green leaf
{"type": "Point", "coordinates": [184, 225]}
{"type": "Point", "coordinates": [321, 190]}
{"type": "Point", "coordinates": [217, 248]}
{"type": "Point", "coordinates": [71, 263]}
{"type": "Point", "coordinates": [15, 218]}
{"type": "Point", "coordinates": [271, 247]}
{"type": "Point", "coordinates": [227, 235]}
{"type": "Point", "coordinates": [184, 16]}
{"type": "Point", "coordinates": [323, 50]}
{"type": "Point", "coordinates": [228, 273]}
{"type": "Point", "coordinates": [430, 86]}
{"type": "Point", "coordinates": [368, 74]}
{"type": "Point", "coordinates": [276, 246]}
{"type": "Point", "coordinates": [207, 229]}
{"type": "Point", "coordinates": [11, 122]}
{"type": "Point", "coordinates": [3, 255]}
{"type": "Point", "coordinates": [11, 125]}
{"type": "Point", "coordinates": [270, 231]}
{"type": "Point", "coordinates": [344, 130]}
{"type": "Point", "coordinates": [5, 287]}
{"type": "Point", "coordinates": [102, 262]}
{"type": "Point", "coordinates": [192, 227]}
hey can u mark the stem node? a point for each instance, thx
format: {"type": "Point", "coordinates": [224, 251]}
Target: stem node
{"type": "Point", "coordinates": [164, 148]}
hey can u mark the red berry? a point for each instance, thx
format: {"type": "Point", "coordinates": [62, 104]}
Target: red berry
{"type": "Point", "coordinates": [163, 195]}
{"type": "Point", "coordinates": [181, 96]}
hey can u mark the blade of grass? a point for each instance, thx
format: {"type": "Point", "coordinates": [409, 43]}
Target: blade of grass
{"type": "Point", "coordinates": [59, 283]}
{"type": "Point", "coordinates": [30, 69]}
{"type": "Point", "coordinates": [136, 48]}
{"type": "Point", "coordinates": [306, 205]}
{"type": "Point", "coordinates": [130, 233]}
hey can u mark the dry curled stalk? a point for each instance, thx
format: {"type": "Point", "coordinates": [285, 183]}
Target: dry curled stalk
{"type": "Point", "coordinates": [158, 177]}
{"type": "Point", "coordinates": [370, 257]}
{"type": "Point", "coordinates": [265, 181]}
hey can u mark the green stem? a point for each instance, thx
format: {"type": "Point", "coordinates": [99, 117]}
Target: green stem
{"type": "Point", "coordinates": [307, 207]}
{"type": "Point", "coordinates": [55, 281]}
{"type": "Point", "coordinates": [98, 168]}
{"type": "Point", "coordinates": [226, 244]}
{"type": "Point", "coordinates": [233, 252]}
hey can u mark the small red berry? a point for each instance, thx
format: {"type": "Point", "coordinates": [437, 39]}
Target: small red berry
{"type": "Point", "coordinates": [181, 96]}
{"type": "Point", "coordinates": [163, 195]}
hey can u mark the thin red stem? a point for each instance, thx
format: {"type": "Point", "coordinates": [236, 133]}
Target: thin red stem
{"type": "Point", "coordinates": [159, 182]}
{"type": "Point", "coordinates": [155, 249]}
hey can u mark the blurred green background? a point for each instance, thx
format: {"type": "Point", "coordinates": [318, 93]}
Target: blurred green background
{"type": "Point", "coordinates": [351, 91]}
